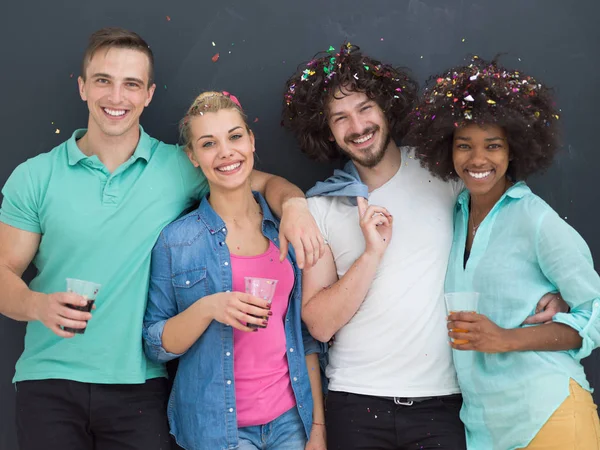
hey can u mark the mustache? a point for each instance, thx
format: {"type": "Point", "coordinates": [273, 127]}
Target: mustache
{"type": "Point", "coordinates": [366, 131]}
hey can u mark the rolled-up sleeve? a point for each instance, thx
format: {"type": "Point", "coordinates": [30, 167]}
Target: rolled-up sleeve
{"type": "Point", "coordinates": [161, 305]}
{"type": "Point", "coordinates": [566, 260]}
{"type": "Point", "coordinates": [311, 345]}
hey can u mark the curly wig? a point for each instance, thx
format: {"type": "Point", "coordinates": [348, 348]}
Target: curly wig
{"type": "Point", "coordinates": [485, 93]}
{"type": "Point", "coordinates": [310, 89]}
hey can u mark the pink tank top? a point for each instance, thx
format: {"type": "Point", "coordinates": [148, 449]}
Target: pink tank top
{"type": "Point", "coordinates": [263, 390]}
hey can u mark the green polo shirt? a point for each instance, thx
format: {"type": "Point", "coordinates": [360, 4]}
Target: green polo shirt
{"type": "Point", "coordinates": [99, 227]}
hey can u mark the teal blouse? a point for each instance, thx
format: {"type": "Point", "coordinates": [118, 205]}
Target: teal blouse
{"type": "Point", "coordinates": [521, 251]}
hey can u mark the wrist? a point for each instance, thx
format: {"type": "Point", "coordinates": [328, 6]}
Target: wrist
{"type": "Point", "coordinates": [371, 257]}
{"type": "Point", "coordinates": [510, 340]}
{"type": "Point", "coordinates": [205, 307]}
{"type": "Point", "coordinates": [292, 202]}
{"type": "Point", "coordinates": [35, 302]}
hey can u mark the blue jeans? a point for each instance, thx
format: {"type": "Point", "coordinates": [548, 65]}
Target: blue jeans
{"type": "Point", "coordinates": [284, 433]}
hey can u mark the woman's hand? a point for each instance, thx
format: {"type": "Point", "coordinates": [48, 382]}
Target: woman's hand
{"type": "Point", "coordinates": [317, 439]}
{"type": "Point", "coordinates": [298, 227]}
{"type": "Point", "coordinates": [476, 332]}
{"type": "Point", "coordinates": [237, 308]}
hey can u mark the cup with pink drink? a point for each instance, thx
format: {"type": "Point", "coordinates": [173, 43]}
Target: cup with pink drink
{"type": "Point", "coordinates": [262, 288]}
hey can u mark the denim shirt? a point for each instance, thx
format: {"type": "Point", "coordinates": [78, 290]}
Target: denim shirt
{"type": "Point", "coordinates": [189, 261]}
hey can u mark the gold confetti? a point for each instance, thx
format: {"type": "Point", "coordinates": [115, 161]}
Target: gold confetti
{"type": "Point", "coordinates": [491, 102]}
{"type": "Point", "coordinates": [536, 114]}
{"type": "Point", "coordinates": [57, 131]}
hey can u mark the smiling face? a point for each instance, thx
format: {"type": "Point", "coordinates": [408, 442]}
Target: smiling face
{"type": "Point", "coordinates": [223, 147]}
{"type": "Point", "coordinates": [359, 127]}
{"type": "Point", "coordinates": [116, 90]}
{"type": "Point", "coordinates": [481, 157]}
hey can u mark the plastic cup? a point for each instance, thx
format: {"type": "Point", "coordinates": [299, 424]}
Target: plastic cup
{"type": "Point", "coordinates": [458, 302]}
{"type": "Point", "coordinates": [262, 288]}
{"type": "Point", "coordinates": [86, 289]}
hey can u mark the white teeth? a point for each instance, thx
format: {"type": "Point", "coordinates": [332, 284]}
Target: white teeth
{"type": "Point", "coordinates": [229, 168]}
{"type": "Point", "coordinates": [363, 139]}
{"type": "Point", "coordinates": [115, 112]}
{"type": "Point", "coordinates": [479, 175]}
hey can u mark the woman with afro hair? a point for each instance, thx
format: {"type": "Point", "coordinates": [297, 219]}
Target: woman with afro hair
{"type": "Point", "coordinates": [523, 386]}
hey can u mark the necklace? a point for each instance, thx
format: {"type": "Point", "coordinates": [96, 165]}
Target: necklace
{"type": "Point", "coordinates": [473, 227]}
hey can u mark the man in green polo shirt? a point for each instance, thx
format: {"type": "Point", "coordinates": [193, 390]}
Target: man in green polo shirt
{"type": "Point", "coordinates": [92, 209]}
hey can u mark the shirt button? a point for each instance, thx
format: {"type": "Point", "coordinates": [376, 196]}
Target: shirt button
{"type": "Point", "coordinates": [295, 379]}
{"type": "Point", "coordinates": [221, 244]}
{"type": "Point", "coordinates": [187, 282]}
{"type": "Point", "coordinates": [230, 409]}
{"type": "Point", "coordinates": [227, 290]}
{"type": "Point", "coordinates": [225, 263]}
{"type": "Point", "coordinates": [299, 406]}
{"type": "Point", "coordinates": [224, 230]}
{"type": "Point", "coordinates": [228, 381]}
{"type": "Point", "coordinates": [228, 354]}
{"type": "Point", "coordinates": [291, 350]}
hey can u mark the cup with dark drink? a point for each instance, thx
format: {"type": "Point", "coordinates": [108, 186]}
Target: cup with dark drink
{"type": "Point", "coordinates": [87, 290]}
{"type": "Point", "coordinates": [262, 288]}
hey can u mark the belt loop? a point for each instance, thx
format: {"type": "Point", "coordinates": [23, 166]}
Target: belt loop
{"type": "Point", "coordinates": [397, 401]}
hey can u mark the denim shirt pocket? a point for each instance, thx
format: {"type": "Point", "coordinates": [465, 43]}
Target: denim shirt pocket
{"type": "Point", "coordinates": [190, 286]}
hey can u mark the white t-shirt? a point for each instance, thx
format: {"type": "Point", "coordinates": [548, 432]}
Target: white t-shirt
{"type": "Point", "coordinates": [396, 345]}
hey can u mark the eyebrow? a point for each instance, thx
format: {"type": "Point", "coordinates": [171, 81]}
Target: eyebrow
{"type": "Point", "coordinates": [360, 105]}
{"type": "Point", "coordinates": [211, 136]}
{"type": "Point", "coordinates": [105, 75]}
{"type": "Point", "coordinates": [466, 138]}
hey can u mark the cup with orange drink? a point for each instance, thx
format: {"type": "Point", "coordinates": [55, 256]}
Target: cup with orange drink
{"type": "Point", "coordinates": [459, 302]}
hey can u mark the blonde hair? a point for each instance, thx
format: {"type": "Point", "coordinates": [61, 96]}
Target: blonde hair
{"type": "Point", "coordinates": [209, 101]}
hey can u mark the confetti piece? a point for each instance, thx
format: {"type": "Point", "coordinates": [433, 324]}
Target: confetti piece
{"type": "Point", "coordinates": [421, 56]}
{"type": "Point", "coordinates": [213, 43]}
{"type": "Point", "coordinates": [356, 76]}
{"type": "Point", "coordinates": [57, 131]}
{"type": "Point", "coordinates": [331, 49]}
{"type": "Point", "coordinates": [215, 57]}
{"type": "Point", "coordinates": [168, 19]}
{"type": "Point", "coordinates": [255, 119]}
{"type": "Point", "coordinates": [491, 102]}
{"type": "Point", "coordinates": [230, 52]}
{"type": "Point", "coordinates": [469, 98]}
{"type": "Point", "coordinates": [381, 39]}
{"type": "Point", "coordinates": [463, 39]}
{"type": "Point", "coordinates": [165, 86]}
{"type": "Point", "coordinates": [71, 76]}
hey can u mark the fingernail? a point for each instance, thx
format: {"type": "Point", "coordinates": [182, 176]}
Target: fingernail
{"type": "Point", "coordinates": [255, 330]}
{"type": "Point", "coordinates": [265, 322]}
{"type": "Point", "coordinates": [270, 313]}
{"type": "Point", "coordinates": [268, 306]}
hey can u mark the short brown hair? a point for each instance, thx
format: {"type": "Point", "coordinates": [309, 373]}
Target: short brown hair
{"type": "Point", "coordinates": [113, 37]}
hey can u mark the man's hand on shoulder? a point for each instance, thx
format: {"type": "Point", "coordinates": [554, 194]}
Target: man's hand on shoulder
{"type": "Point", "coordinates": [298, 227]}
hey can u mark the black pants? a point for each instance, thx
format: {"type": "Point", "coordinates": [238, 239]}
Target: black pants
{"type": "Point", "coordinates": [363, 422]}
{"type": "Point", "coordinates": [67, 415]}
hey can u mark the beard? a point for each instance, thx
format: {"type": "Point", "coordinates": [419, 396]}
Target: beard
{"type": "Point", "coordinates": [370, 156]}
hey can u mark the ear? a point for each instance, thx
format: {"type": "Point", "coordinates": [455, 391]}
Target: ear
{"type": "Point", "coordinates": [81, 85]}
{"type": "Point", "coordinates": [252, 140]}
{"type": "Point", "coordinates": [151, 90]}
{"type": "Point", "coordinates": [191, 157]}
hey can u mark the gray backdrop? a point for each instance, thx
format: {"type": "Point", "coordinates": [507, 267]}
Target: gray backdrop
{"type": "Point", "coordinates": [260, 43]}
